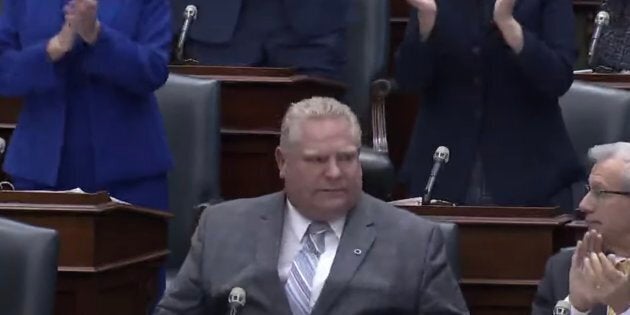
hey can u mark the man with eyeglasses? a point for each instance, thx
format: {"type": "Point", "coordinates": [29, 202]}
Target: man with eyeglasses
{"type": "Point", "coordinates": [593, 277]}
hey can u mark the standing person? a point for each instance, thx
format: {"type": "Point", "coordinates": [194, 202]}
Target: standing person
{"type": "Point", "coordinates": [611, 51]}
{"type": "Point", "coordinates": [86, 72]}
{"type": "Point", "coordinates": [308, 35]}
{"type": "Point", "coordinates": [490, 74]}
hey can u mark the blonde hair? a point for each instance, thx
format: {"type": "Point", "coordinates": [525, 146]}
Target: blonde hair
{"type": "Point", "coordinates": [316, 107]}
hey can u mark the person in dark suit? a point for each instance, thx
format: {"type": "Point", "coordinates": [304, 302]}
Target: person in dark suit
{"type": "Point", "coordinates": [308, 35]}
{"type": "Point", "coordinates": [593, 277]}
{"type": "Point", "coordinates": [490, 74]}
{"type": "Point", "coordinates": [321, 246]}
{"type": "Point", "coordinates": [611, 53]}
{"type": "Point", "coordinates": [86, 72]}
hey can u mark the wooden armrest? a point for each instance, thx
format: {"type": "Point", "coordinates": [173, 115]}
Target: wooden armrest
{"type": "Point", "coordinates": [380, 89]}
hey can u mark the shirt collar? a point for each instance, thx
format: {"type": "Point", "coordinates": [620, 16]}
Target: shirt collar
{"type": "Point", "coordinates": [299, 223]}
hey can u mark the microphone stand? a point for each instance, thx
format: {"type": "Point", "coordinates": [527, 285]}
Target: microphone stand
{"type": "Point", "coordinates": [190, 14]}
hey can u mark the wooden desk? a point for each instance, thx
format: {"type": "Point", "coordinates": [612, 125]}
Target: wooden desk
{"type": "Point", "coordinates": [502, 252]}
{"type": "Point", "coordinates": [612, 80]}
{"type": "Point", "coordinates": [9, 111]}
{"type": "Point", "coordinates": [253, 102]}
{"type": "Point", "coordinates": [109, 253]}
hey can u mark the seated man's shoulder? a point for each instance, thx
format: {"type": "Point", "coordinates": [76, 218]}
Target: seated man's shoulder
{"type": "Point", "coordinates": [562, 257]}
{"type": "Point", "coordinates": [244, 208]}
{"type": "Point", "coordinates": [398, 218]}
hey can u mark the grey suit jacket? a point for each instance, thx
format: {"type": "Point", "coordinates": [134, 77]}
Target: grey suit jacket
{"type": "Point", "coordinates": [389, 261]}
{"type": "Point", "coordinates": [555, 285]}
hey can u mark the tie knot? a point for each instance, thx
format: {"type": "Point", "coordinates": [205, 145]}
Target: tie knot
{"type": "Point", "coordinates": [316, 233]}
{"type": "Point", "coordinates": [317, 228]}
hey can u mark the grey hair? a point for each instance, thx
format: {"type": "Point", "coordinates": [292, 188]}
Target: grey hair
{"type": "Point", "coordinates": [316, 108]}
{"type": "Point", "coordinates": [617, 150]}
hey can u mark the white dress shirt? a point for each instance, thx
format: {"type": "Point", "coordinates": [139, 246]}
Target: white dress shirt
{"type": "Point", "coordinates": [293, 230]}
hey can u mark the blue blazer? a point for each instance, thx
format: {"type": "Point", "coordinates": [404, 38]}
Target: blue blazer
{"type": "Point", "coordinates": [217, 19]}
{"type": "Point", "coordinates": [118, 74]}
{"type": "Point", "coordinates": [479, 97]}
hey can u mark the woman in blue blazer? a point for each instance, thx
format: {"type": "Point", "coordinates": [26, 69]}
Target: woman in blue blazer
{"type": "Point", "coordinates": [86, 73]}
{"type": "Point", "coordinates": [490, 73]}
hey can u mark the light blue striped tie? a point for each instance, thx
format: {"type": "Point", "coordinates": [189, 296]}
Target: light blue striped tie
{"type": "Point", "coordinates": [300, 280]}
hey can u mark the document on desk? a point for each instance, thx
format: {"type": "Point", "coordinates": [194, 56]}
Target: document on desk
{"type": "Point", "coordinates": [77, 191]}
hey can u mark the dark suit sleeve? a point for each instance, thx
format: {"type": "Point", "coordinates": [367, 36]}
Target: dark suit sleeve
{"type": "Point", "coordinates": [548, 293]}
{"type": "Point", "coordinates": [415, 58]}
{"type": "Point", "coordinates": [185, 295]}
{"type": "Point", "coordinates": [439, 291]}
{"type": "Point", "coordinates": [547, 58]}
{"type": "Point", "coordinates": [318, 17]}
{"type": "Point", "coordinates": [23, 69]}
{"type": "Point", "coordinates": [140, 64]}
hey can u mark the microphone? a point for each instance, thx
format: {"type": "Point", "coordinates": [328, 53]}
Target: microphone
{"type": "Point", "coordinates": [190, 14]}
{"type": "Point", "coordinates": [563, 307]}
{"type": "Point", "coordinates": [4, 185]}
{"type": "Point", "coordinates": [601, 20]}
{"type": "Point", "coordinates": [440, 157]}
{"type": "Point", "coordinates": [236, 299]}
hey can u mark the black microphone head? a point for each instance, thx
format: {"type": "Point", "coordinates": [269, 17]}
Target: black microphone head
{"type": "Point", "coordinates": [237, 297]}
{"type": "Point", "coordinates": [602, 18]}
{"type": "Point", "coordinates": [3, 145]}
{"type": "Point", "coordinates": [441, 154]}
{"type": "Point", "coordinates": [563, 307]}
{"type": "Point", "coordinates": [190, 11]}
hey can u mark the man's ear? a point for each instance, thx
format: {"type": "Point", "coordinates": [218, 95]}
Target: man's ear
{"type": "Point", "coordinates": [280, 161]}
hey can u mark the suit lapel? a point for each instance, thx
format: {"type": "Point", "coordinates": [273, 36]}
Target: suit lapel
{"type": "Point", "coordinates": [267, 251]}
{"type": "Point", "coordinates": [355, 243]}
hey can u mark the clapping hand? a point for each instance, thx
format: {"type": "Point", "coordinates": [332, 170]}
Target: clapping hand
{"type": "Point", "coordinates": [503, 10]}
{"type": "Point", "coordinates": [427, 12]}
{"type": "Point", "coordinates": [611, 285]}
{"type": "Point", "coordinates": [423, 5]}
{"type": "Point", "coordinates": [582, 286]}
{"type": "Point", "coordinates": [82, 17]}
{"type": "Point", "coordinates": [62, 43]}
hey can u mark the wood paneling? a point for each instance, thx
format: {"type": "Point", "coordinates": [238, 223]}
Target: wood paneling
{"type": "Point", "coordinates": [109, 253]}
{"type": "Point", "coordinates": [502, 252]}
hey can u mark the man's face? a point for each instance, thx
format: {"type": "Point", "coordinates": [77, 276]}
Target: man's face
{"type": "Point", "coordinates": [321, 170]}
{"type": "Point", "coordinates": [607, 213]}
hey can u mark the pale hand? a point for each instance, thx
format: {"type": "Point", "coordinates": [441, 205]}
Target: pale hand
{"type": "Point", "coordinates": [612, 287]}
{"type": "Point", "coordinates": [82, 17]}
{"type": "Point", "coordinates": [503, 10]}
{"type": "Point", "coordinates": [61, 43]}
{"type": "Point", "coordinates": [424, 6]}
{"type": "Point", "coordinates": [581, 285]}
{"type": "Point", "coordinates": [66, 37]}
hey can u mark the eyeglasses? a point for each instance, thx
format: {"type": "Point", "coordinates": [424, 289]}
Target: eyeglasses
{"type": "Point", "coordinates": [600, 193]}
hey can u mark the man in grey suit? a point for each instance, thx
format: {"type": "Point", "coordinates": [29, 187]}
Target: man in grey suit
{"type": "Point", "coordinates": [593, 277]}
{"type": "Point", "coordinates": [321, 246]}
